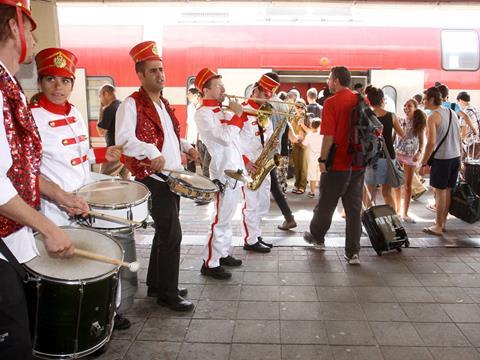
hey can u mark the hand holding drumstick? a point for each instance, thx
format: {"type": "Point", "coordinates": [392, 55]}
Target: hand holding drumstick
{"type": "Point", "coordinates": [115, 152]}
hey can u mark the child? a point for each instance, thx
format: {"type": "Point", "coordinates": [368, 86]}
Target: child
{"type": "Point", "coordinates": [313, 143]}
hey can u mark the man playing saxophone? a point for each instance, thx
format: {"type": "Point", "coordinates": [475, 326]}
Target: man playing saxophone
{"type": "Point", "coordinates": [253, 137]}
{"type": "Point", "coordinates": [220, 133]}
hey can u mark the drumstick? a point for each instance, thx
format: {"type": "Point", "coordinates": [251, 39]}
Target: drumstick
{"type": "Point", "coordinates": [167, 170]}
{"type": "Point", "coordinates": [118, 219]}
{"type": "Point", "coordinates": [133, 266]}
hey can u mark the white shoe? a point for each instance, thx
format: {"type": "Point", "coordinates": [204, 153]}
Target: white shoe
{"type": "Point", "coordinates": [320, 247]}
{"type": "Point", "coordinates": [354, 260]}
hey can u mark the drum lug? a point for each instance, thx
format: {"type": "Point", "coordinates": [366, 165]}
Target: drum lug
{"type": "Point", "coordinates": [130, 214]}
{"type": "Point", "coordinates": [96, 330]}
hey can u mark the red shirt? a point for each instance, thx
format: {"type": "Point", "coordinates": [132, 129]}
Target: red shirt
{"type": "Point", "coordinates": [336, 123]}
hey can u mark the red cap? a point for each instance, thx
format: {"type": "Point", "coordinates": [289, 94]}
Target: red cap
{"type": "Point", "coordinates": [24, 5]}
{"type": "Point", "coordinates": [203, 76]}
{"type": "Point", "coordinates": [56, 62]}
{"type": "Point", "coordinates": [146, 50]}
{"type": "Point", "coordinates": [268, 85]}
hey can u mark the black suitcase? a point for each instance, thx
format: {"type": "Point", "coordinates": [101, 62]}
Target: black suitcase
{"type": "Point", "coordinates": [384, 228]}
{"type": "Point", "coordinates": [465, 203]}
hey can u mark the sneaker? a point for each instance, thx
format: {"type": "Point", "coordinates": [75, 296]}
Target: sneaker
{"type": "Point", "coordinates": [311, 195]}
{"type": "Point", "coordinates": [308, 237]}
{"type": "Point", "coordinates": [353, 260]}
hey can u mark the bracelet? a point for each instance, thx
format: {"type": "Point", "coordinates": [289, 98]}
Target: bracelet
{"type": "Point", "coordinates": [321, 161]}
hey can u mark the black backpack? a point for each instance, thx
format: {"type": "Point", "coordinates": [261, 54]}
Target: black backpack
{"type": "Point", "coordinates": [364, 134]}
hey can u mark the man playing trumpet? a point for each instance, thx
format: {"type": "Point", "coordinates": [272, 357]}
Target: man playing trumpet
{"type": "Point", "coordinates": [220, 133]}
{"type": "Point", "coordinates": [253, 137]}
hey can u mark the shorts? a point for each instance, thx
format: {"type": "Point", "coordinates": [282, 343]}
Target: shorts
{"type": "Point", "coordinates": [444, 173]}
{"type": "Point", "coordinates": [406, 160]}
{"type": "Point", "coordinates": [376, 173]}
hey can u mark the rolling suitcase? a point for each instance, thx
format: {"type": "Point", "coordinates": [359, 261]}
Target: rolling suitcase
{"type": "Point", "coordinates": [384, 228]}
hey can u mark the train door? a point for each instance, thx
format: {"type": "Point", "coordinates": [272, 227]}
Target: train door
{"type": "Point", "coordinates": [238, 80]}
{"type": "Point", "coordinates": [398, 86]}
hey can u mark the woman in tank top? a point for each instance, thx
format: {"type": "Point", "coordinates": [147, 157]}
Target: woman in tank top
{"type": "Point", "coordinates": [377, 173]}
{"type": "Point", "coordinates": [442, 123]}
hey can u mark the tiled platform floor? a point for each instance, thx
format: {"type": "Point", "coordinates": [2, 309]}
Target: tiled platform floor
{"type": "Point", "coordinates": [298, 303]}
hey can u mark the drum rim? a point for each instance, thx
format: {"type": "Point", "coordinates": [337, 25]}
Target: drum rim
{"type": "Point", "coordinates": [81, 353]}
{"type": "Point", "coordinates": [85, 281]}
{"type": "Point", "coordinates": [178, 181]}
{"type": "Point", "coordinates": [119, 205]}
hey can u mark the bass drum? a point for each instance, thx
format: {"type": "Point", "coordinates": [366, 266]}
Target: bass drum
{"type": "Point", "coordinates": [71, 302]}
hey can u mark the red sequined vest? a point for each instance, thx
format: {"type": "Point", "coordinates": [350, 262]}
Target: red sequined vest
{"type": "Point", "coordinates": [149, 129]}
{"type": "Point", "coordinates": [25, 148]}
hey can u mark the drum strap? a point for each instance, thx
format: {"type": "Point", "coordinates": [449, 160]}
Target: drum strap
{"type": "Point", "coordinates": [13, 260]}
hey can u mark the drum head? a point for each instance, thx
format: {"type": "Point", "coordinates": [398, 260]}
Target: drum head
{"type": "Point", "coordinates": [114, 193]}
{"type": "Point", "coordinates": [194, 180]}
{"type": "Point", "coordinates": [77, 268]}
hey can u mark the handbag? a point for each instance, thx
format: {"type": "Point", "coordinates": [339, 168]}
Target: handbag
{"type": "Point", "coordinates": [430, 159]}
{"type": "Point", "coordinates": [395, 175]}
{"type": "Point", "coordinates": [465, 203]}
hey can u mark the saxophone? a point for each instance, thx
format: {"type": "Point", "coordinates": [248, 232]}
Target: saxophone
{"type": "Point", "coordinates": [269, 158]}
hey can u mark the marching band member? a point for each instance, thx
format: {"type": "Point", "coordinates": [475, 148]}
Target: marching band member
{"type": "Point", "coordinates": [220, 133]}
{"type": "Point", "coordinates": [148, 124]}
{"type": "Point", "coordinates": [66, 150]}
{"type": "Point", "coordinates": [21, 184]}
{"type": "Point", "coordinates": [252, 139]}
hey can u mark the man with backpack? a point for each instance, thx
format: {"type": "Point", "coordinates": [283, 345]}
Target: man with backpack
{"type": "Point", "coordinates": [340, 178]}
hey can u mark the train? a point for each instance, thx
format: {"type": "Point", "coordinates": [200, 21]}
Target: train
{"type": "Point", "coordinates": [403, 48]}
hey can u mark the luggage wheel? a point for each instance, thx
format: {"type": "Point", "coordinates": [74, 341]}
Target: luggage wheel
{"type": "Point", "coordinates": [399, 249]}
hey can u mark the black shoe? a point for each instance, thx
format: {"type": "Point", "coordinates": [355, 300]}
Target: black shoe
{"type": "Point", "coordinates": [152, 292]}
{"type": "Point", "coordinates": [217, 272]}
{"type": "Point", "coordinates": [120, 322]}
{"type": "Point", "coordinates": [257, 247]}
{"type": "Point", "coordinates": [230, 261]}
{"type": "Point", "coordinates": [176, 304]}
{"type": "Point", "coordinates": [260, 240]}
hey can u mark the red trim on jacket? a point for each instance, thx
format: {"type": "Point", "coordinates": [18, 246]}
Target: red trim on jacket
{"type": "Point", "coordinates": [75, 140]}
{"type": "Point", "coordinates": [78, 160]}
{"type": "Point", "coordinates": [63, 109]}
{"type": "Point", "coordinates": [62, 122]}
{"type": "Point", "coordinates": [246, 160]}
{"type": "Point", "coordinates": [210, 102]}
{"type": "Point", "coordinates": [100, 155]}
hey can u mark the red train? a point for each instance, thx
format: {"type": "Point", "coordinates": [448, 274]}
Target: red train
{"type": "Point", "coordinates": [403, 55]}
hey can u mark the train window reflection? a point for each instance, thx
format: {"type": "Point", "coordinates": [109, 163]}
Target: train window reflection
{"type": "Point", "coordinates": [460, 50]}
{"type": "Point", "coordinates": [390, 98]}
{"type": "Point", "coordinates": [93, 102]}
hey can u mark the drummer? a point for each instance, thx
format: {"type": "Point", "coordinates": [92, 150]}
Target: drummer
{"type": "Point", "coordinates": [66, 150]}
{"type": "Point", "coordinates": [21, 185]}
{"type": "Point", "coordinates": [149, 124]}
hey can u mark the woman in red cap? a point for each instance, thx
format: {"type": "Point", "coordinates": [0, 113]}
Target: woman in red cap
{"type": "Point", "coordinates": [66, 151]}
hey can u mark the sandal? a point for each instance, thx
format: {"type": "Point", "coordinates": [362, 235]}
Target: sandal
{"type": "Point", "coordinates": [300, 191]}
{"type": "Point", "coordinates": [428, 230]}
{"type": "Point", "coordinates": [408, 220]}
{"type": "Point", "coordinates": [311, 195]}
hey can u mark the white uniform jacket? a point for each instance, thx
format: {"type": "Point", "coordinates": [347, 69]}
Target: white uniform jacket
{"type": "Point", "coordinates": [220, 133]}
{"type": "Point", "coordinates": [250, 136]}
{"type": "Point", "coordinates": [66, 154]}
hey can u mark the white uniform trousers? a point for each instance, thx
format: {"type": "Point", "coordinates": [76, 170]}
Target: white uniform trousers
{"type": "Point", "coordinates": [220, 234]}
{"type": "Point", "coordinates": [256, 204]}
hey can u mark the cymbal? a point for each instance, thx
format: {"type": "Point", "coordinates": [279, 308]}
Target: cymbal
{"type": "Point", "coordinates": [238, 175]}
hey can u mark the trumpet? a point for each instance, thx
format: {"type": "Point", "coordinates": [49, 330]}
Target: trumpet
{"type": "Point", "coordinates": [235, 97]}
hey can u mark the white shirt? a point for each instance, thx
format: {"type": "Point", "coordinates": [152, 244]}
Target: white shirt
{"type": "Point", "coordinates": [126, 124]}
{"type": "Point", "coordinates": [21, 243]}
{"type": "Point", "coordinates": [221, 139]}
{"type": "Point", "coordinates": [63, 144]}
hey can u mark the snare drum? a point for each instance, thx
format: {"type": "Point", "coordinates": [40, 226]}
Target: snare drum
{"type": "Point", "coordinates": [125, 199]}
{"type": "Point", "coordinates": [192, 186]}
{"type": "Point", "coordinates": [71, 301]}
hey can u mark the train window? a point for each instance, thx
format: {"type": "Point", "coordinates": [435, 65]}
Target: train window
{"type": "Point", "coordinates": [93, 85]}
{"type": "Point", "coordinates": [460, 50]}
{"type": "Point", "coordinates": [390, 98]}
